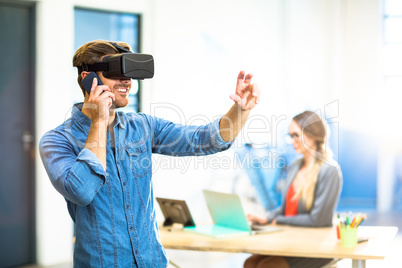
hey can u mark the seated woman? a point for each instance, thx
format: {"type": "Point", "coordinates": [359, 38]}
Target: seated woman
{"type": "Point", "coordinates": [312, 189]}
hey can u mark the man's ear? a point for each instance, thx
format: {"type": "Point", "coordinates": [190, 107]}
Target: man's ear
{"type": "Point", "coordinates": [84, 74]}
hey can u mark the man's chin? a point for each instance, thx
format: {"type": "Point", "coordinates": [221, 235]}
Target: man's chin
{"type": "Point", "coordinates": [120, 104]}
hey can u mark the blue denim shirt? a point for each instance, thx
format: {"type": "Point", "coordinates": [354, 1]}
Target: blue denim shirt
{"type": "Point", "coordinates": [113, 210]}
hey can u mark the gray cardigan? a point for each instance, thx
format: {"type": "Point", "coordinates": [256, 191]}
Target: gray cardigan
{"type": "Point", "coordinates": [326, 196]}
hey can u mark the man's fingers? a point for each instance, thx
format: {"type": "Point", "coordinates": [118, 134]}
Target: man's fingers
{"type": "Point", "coordinates": [247, 94]}
{"type": "Point", "coordinates": [236, 98]}
{"type": "Point", "coordinates": [240, 77]}
{"type": "Point", "coordinates": [107, 97]}
{"type": "Point", "coordinates": [243, 78]}
{"type": "Point", "coordinates": [107, 94]}
{"type": "Point", "coordinates": [110, 102]}
{"type": "Point", "coordinates": [100, 90]}
{"type": "Point", "coordinates": [94, 85]}
{"type": "Point", "coordinates": [256, 93]}
{"type": "Point", "coordinates": [247, 79]}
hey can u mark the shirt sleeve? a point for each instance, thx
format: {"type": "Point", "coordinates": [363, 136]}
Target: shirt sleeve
{"type": "Point", "coordinates": [77, 177]}
{"type": "Point", "coordinates": [274, 213]}
{"type": "Point", "coordinates": [326, 196]}
{"type": "Point", "coordinates": [186, 140]}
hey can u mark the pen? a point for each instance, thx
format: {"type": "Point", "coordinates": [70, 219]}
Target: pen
{"type": "Point", "coordinates": [361, 221]}
{"type": "Point", "coordinates": [356, 220]}
{"type": "Point", "coordinates": [353, 222]}
{"type": "Point", "coordinates": [338, 232]}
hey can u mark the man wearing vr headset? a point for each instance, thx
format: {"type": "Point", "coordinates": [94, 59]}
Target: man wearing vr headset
{"type": "Point", "coordinates": [100, 159]}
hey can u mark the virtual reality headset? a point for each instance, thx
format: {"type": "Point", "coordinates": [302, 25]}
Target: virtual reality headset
{"type": "Point", "coordinates": [124, 65]}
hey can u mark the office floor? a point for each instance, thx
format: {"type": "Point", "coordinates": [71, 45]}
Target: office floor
{"type": "Point", "coordinates": [193, 259]}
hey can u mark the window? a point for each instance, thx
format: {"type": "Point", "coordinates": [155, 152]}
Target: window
{"type": "Point", "coordinates": [94, 25]}
{"type": "Point", "coordinates": [393, 45]}
{"type": "Point", "coordinates": [392, 68]}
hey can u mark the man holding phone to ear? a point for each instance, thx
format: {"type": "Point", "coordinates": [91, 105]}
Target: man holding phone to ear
{"type": "Point", "coordinates": [100, 159]}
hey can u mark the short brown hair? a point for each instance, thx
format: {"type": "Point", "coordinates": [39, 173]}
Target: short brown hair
{"type": "Point", "coordinates": [93, 52]}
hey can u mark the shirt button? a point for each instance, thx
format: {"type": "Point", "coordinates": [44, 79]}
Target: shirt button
{"type": "Point", "coordinates": [136, 252]}
{"type": "Point", "coordinates": [127, 205]}
{"type": "Point", "coordinates": [124, 183]}
{"type": "Point", "coordinates": [131, 228]}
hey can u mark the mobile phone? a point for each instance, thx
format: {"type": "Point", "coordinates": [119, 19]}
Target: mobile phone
{"type": "Point", "coordinates": [87, 81]}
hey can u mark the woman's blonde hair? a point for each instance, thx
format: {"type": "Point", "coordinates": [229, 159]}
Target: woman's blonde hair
{"type": "Point", "coordinates": [313, 127]}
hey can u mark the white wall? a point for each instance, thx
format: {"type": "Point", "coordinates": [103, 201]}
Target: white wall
{"type": "Point", "coordinates": [53, 101]}
{"type": "Point", "coordinates": [310, 54]}
{"type": "Point", "coordinates": [315, 54]}
{"type": "Point", "coordinates": [199, 49]}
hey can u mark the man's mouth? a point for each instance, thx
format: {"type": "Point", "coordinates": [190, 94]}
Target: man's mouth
{"type": "Point", "coordinates": [122, 89]}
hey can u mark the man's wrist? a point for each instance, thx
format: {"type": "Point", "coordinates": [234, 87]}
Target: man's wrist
{"type": "Point", "coordinates": [99, 123]}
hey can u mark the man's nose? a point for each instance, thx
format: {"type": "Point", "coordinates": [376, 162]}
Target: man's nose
{"type": "Point", "coordinates": [125, 81]}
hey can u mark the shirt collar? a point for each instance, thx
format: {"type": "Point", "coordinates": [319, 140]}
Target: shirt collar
{"type": "Point", "coordinates": [85, 122]}
{"type": "Point", "coordinates": [79, 117]}
{"type": "Point", "coordinates": [120, 119]}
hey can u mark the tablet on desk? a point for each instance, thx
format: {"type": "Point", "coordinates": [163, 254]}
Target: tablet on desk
{"type": "Point", "coordinates": [175, 211]}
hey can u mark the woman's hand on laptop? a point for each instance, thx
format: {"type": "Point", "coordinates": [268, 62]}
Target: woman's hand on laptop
{"type": "Point", "coordinates": [256, 219]}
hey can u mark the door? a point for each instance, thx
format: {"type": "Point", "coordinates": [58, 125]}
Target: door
{"type": "Point", "coordinates": [17, 174]}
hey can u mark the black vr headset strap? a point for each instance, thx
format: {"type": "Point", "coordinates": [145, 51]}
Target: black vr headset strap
{"type": "Point", "coordinates": [120, 49]}
{"type": "Point", "coordinates": [99, 66]}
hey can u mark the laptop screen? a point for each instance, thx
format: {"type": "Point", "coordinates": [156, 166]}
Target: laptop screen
{"type": "Point", "coordinates": [226, 210]}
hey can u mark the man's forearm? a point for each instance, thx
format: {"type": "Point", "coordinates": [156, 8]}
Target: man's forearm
{"type": "Point", "coordinates": [97, 140]}
{"type": "Point", "coordinates": [232, 122]}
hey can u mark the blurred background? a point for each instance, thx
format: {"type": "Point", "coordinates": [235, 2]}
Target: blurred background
{"type": "Point", "coordinates": [339, 58]}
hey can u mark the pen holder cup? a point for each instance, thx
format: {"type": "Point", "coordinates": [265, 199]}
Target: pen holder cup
{"type": "Point", "coordinates": [348, 237]}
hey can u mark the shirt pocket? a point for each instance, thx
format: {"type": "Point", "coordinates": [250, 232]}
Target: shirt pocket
{"type": "Point", "coordinates": [140, 160]}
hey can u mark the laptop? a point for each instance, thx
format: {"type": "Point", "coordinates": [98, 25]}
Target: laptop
{"type": "Point", "coordinates": [229, 218]}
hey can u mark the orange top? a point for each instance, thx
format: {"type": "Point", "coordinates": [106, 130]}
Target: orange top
{"type": "Point", "coordinates": [291, 203]}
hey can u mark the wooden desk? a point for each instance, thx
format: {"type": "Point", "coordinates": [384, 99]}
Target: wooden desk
{"type": "Point", "coordinates": [292, 241]}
